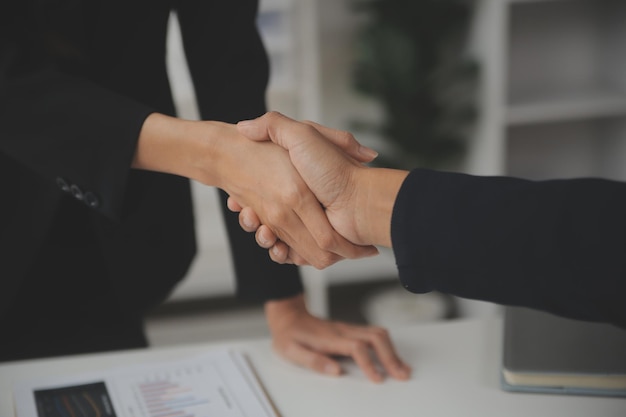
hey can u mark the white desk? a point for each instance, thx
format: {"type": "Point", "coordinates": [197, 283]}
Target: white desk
{"type": "Point", "coordinates": [456, 373]}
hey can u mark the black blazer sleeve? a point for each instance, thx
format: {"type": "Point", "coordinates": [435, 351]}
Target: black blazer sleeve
{"type": "Point", "coordinates": [558, 245]}
{"type": "Point", "coordinates": [58, 124]}
{"type": "Point", "coordinates": [235, 91]}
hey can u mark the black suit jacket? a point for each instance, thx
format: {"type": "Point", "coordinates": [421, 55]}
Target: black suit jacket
{"type": "Point", "coordinates": [558, 245]}
{"type": "Point", "coordinates": [77, 80]}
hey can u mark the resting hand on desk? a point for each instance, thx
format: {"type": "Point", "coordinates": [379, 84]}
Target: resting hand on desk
{"type": "Point", "coordinates": [312, 342]}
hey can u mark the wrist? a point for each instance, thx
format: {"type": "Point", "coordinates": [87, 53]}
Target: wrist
{"type": "Point", "coordinates": [284, 309]}
{"type": "Point", "coordinates": [181, 147]}
{"type": "Point", "coordinates": [164, 145]}
{"type": "Point", "coordinates": [376, 192]}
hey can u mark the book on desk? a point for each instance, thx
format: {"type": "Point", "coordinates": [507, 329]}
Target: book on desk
{"type": "Point", "coordinates": [544, 353]}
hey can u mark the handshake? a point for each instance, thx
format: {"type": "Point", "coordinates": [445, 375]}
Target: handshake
{"type": "Point", "coordinates": [330, 207]}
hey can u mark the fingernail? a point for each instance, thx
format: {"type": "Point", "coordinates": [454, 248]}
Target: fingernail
{"type": "Point", "coordinates": [275, 250]}
{"type": "Point", "coordinates": [368, 152]}
{"type": "Point", "coordinates": [247, 223]}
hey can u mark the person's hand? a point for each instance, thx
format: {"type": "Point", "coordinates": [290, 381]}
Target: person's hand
{"type": "Point", "coordinates": [327, 171]}
{"type": "Point", "coordinates": [357, 200]}
{"type": "Point", "coordinates": [314, 343]}
{"type": "Point", "coordinates": [265, 180]}
{"type": "Point", "coordinates": [258, 175]}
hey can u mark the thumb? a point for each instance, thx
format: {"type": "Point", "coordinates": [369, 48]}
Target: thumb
{"type": "Point", "coordinates": [255, 129]}
{"type": "Point", "coordinates": [272, 126]}
{"type": "Point", "coordinates": [346, 142]}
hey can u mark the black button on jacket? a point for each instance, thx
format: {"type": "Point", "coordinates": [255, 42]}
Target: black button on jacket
{"type": "Point", "coordinates": [77, 80]}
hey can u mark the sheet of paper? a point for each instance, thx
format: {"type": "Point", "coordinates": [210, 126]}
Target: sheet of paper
{"type": "Point", "coordinates": [219, 383]}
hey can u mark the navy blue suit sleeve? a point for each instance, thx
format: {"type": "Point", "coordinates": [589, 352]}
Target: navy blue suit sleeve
{"type": "Point", "coordinates": [556, 245]}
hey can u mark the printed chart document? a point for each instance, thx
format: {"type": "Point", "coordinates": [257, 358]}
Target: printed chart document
{"type": "Point", "coordinates": [219, 383]}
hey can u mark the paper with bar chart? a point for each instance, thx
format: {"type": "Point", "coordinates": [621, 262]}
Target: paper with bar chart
{"type": "Point", "coordinates": [219, 383]}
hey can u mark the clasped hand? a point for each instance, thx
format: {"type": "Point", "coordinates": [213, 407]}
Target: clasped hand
{"type": "Point", "coordinates": [327, 160]}
{"type": "Point", "coordinates": [329, 165]}
{"type": "Point", "coordinates": [281, 198]}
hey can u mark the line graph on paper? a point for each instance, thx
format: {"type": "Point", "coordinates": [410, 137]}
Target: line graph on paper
{"type": "Point", "coordinates": [191, 391]}
{"type": "Point", "coordinates": [172, 395]}
{"type": "Point", "coordinates": [219, 383]}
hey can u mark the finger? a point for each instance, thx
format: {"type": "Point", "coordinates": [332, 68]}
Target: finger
{"type": "Point", "coordinates": [379, 339]}
{"type": "Point", "coordinates": [233, 205]}
{"type": "Point", "coordinates": [306, 358]}
{"type": "Point", "coordinates": [360, 352]}
{"type": "Point", "coordinates": [294, 257]}
{"type": "Point", "coordinates": [273, 126]}
{"type": "Point", "coordinates": [346, 141]}
{"type": "Point", "coordinates": [296, 234]}
{"type": "Point", "coordinates": [345, 345]}
{"type": "Point", "coordinates": [279, 253]}
{"type": "Point", "coordinates": [248, 220]}
{"type": "Point", "coordinates": [257, 129]}
{"type": "Point", "coordinates": [314, 218]}
{"type": "Point", "coordinates": [265, 238]}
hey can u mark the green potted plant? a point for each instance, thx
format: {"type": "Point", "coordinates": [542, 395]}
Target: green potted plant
{"type": "Point", "coordinates": [410, 55]}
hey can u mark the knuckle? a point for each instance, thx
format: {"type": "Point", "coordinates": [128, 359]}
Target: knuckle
{"type": "Point", "coordinates": [345, 138]}
{"type": "Point", "coordinates": [380, 332]}
{"type": "Point", "coordinates": [292, 196]}
{"type": "Point", "coordinates": [308, 129]}
{"type": "Point", "coordinates": [275, 215]}
{"type": "Point", "coordinates": [356, 346]}
{"type": "Point", "coordinates": [324, 260]}
{"type": "Point", "coordinates": [327, 242]}
{"type": "Point", "coordinates": [272, 115]}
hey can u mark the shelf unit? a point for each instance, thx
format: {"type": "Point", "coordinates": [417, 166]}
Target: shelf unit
{"type": "Point", "coordinates": [289, 29]}
{"type": "Point", "coordinates": [552, 69]}
{"type": "Point", "coordinates": [553, 94]}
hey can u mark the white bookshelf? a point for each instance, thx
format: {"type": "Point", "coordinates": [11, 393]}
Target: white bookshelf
{"type": "Point", "coordinates": [550, 67]}
{"type": "Point", "coordinates": [289, 29]}
{"type": "Point", "coordinates": [553, 90]}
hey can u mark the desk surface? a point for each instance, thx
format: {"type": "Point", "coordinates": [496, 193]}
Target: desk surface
{"type": "Point", "coordinates": [456, 372]}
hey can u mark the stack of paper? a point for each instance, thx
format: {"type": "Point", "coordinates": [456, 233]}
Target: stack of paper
{"type": "Point", "coordinates": [219, 383]}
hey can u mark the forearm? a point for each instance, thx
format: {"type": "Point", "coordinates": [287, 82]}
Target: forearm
{"type": "Point", "coordinates": [284, 309]}
{"type": "Point", "coordinates": [552, 245]}
{"type": "Point", "coordinates": [209, 152]}
{"type": "Point", "coordinates": [176, 146]}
